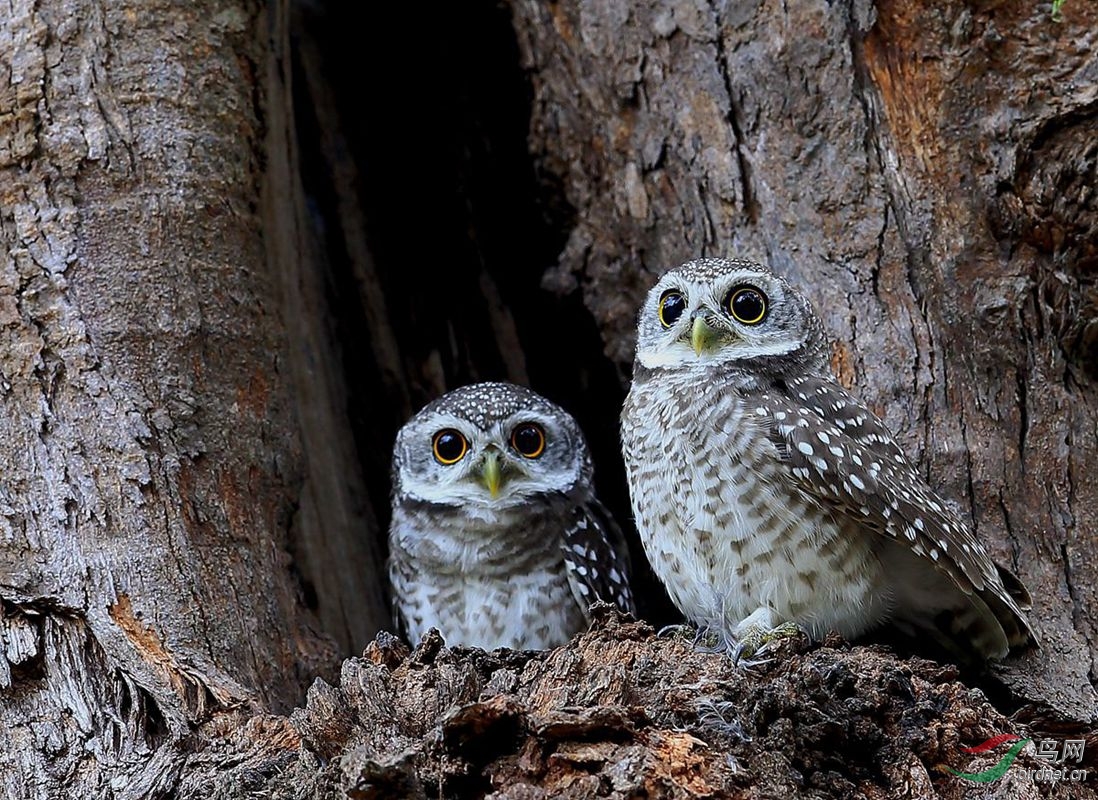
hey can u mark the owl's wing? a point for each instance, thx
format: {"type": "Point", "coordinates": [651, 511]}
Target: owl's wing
{"type": "Point", "coordinates": [840, 454]}
{"type": "Point", "coordinates": [596, 557]}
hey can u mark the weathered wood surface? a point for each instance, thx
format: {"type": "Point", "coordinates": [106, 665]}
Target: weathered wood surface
{"type": "Point", "coordinates": [619, 713]}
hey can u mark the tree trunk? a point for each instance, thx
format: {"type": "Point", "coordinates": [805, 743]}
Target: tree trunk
{"type": "Point", "coordinates": [152, 463]}
{"type": "Point", "coordinates": [224, 289]}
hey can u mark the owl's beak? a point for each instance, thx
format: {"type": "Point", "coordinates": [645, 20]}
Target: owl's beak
{"type": "Point", "coordinates": [490, 473]}
{"type": "Point", "coordinates": [703, 336]}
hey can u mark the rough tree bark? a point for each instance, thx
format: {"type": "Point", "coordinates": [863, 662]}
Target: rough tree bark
{"type": "Point", "coordinates": [179, 463]}
{"type": "Point", "coordinates": [151, 459]}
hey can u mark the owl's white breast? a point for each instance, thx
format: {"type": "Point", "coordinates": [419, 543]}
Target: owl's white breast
{"type": "Point", "coordinates": [721, 523]}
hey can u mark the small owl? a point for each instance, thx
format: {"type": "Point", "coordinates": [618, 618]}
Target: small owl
{"type": "Point", "coordinates": [765, 494]}
{"type": "Point", "coordinates": [497, 538]}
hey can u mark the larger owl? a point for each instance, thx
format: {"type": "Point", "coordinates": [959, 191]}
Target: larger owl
{"type": "Point", "coordinates": [765, 494]}
{"type": "Point", "coordinates": [497, 538]}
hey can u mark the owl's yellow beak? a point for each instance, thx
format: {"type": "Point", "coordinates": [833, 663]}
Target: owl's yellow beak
{"type": "Point", "coordinates": [490, 473]}
{"type": "Point", "coordinates": [703, 336]}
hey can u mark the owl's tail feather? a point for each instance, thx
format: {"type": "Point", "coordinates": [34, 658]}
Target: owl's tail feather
{"type": "Point", "coordinates": [973, 629]}
{"type": "Point", "coordinates": [971, 624]}
{"type": "Point", "coordinates": [989, 626]}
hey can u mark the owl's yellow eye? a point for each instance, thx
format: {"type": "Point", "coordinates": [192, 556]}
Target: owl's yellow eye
{"type": "Point", "coordinates": [747, 305]}
{"type": "Point", "coordinates": [528, 439]}
{"type": "Point", "coordinates": [449, 446]}
{"type": "Point", "coordinates": [672, 304]}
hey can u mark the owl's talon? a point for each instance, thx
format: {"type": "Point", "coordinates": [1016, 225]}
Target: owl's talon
{"type": "Point", "coordinates": [702, 639]}
{"type": "Point", "coordinates": [749, 643]}
{"type": "Point", "coordinates": [756, 640]}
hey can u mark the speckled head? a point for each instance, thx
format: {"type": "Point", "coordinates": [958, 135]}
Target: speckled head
{"type": "Point", "coordinates": [728, 312]}
{"type": "Point", "coordinates": [489, 445]}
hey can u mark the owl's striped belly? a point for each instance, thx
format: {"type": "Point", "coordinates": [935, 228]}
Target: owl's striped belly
{"type": "Point", "coordinates": [527, 611]}
{"type": "Point", "coordinates": [728, 533]}
{"type": "Point", "coordinates": [484, 584]}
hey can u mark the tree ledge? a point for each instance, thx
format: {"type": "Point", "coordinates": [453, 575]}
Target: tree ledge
{"type": "Point", "coordinates": [620, 712]}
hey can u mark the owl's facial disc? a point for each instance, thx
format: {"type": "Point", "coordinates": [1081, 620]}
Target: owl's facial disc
{"type": "Point", "coordinates": [493, 465]}
{"type": "Point", "coordinates": [718, 312]}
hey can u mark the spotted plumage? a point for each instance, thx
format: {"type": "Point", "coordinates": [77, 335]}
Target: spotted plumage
{"type": "Point", "coordinates": [497, 538]}
{"type": "Point", "coordinates": [765, 493]}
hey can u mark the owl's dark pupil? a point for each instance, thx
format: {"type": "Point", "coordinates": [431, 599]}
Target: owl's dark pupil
{"type": "Point", "coordinates": [672, 305]}
{"type": "Point", "coordinates": [449, 445]}
{"type": "Point", "coordinates": [528, 440]}
{"type": "Point", "coordinates": [748, 306]}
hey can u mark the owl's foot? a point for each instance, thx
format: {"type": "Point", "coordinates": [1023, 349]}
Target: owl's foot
{"type": "Point", "coordinates": [707, 640]}
{"type": "Point", "coordinates": [754, 640]}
